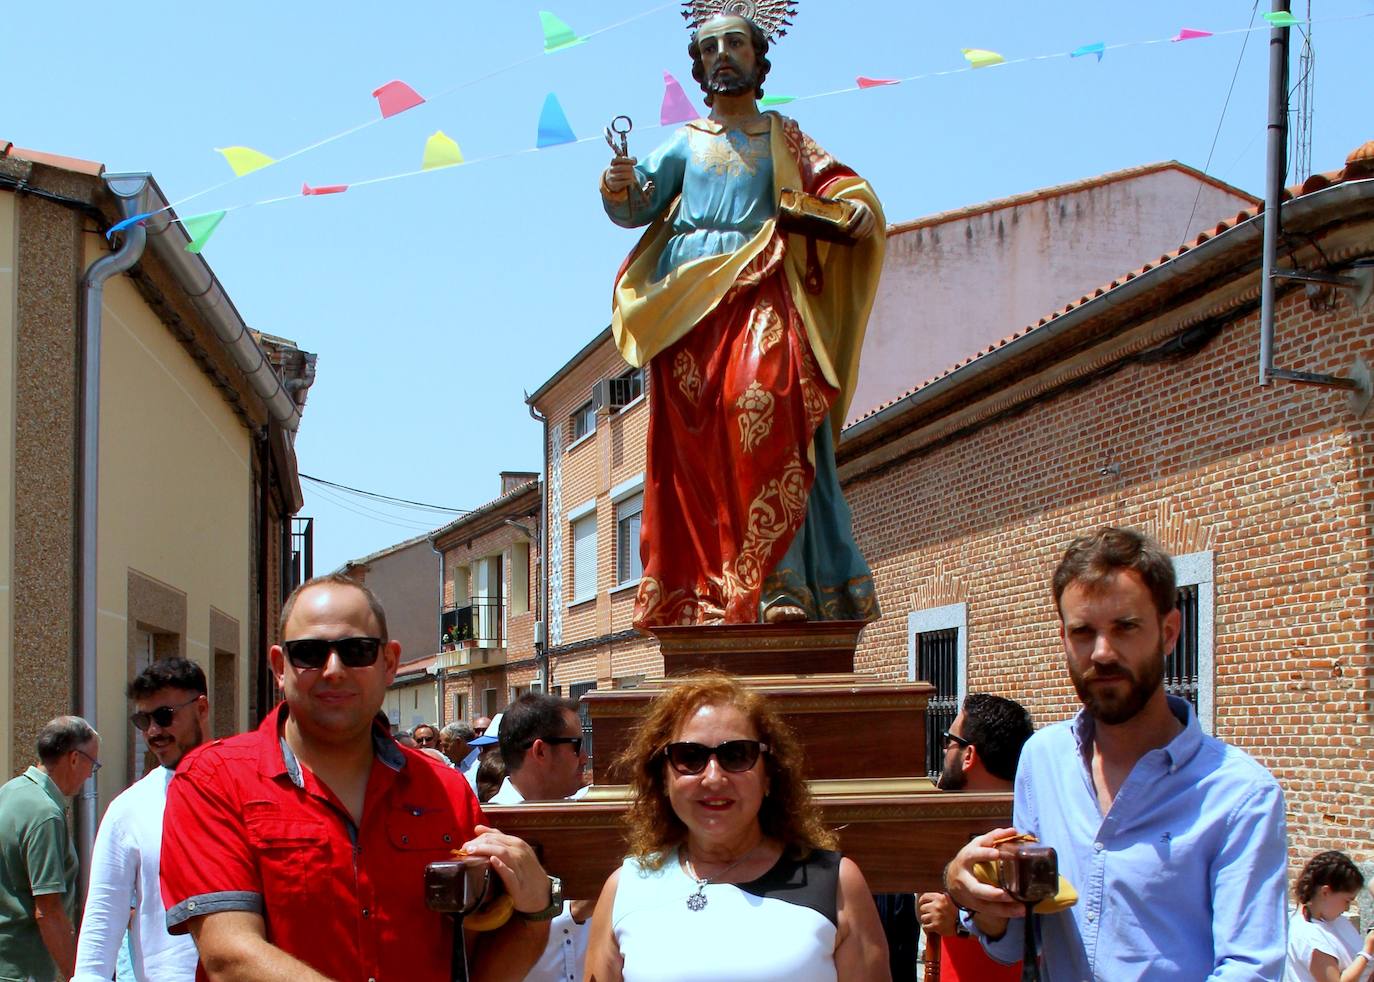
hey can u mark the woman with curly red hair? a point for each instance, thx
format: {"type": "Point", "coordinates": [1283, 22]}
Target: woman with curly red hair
{"type": "Point", "coordinates": [731, 873]}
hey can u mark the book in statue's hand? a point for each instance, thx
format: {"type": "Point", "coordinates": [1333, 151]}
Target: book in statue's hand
{"type": "Point", "coordinates": [816, 217]}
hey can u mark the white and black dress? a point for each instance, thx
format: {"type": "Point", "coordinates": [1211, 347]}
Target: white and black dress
{"type": "Point", "coordinates": [777, 928]}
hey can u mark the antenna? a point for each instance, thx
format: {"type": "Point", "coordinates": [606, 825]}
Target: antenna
{"type": "Point", "coordinates": [1301, 151]}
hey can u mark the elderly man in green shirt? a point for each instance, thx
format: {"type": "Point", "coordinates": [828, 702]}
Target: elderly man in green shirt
{"type": "Point", "coordinates": [38, 866]}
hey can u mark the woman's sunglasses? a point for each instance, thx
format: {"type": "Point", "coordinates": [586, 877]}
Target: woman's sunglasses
{"type": "Point", "coordinates": [733, 755]}
{"type": "Point", "coordinates": [309, 654]}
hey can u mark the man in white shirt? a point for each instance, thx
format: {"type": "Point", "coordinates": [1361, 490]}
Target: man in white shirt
{"type": "Point", "coordinates": [541, 744]}
{"type": "Point", "coordinates": [172, 711]}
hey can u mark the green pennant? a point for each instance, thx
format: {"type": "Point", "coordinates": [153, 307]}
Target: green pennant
{"type": "Point", "coordinates": [1282, 18]}
{"type": "Point", "coordinates": [776, 100]}
{"type": "Point", "coordinates": [557, 34]}
{"type": "Point", "coordinates": [200, 228]}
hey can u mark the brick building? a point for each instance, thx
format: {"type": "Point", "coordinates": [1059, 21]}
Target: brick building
{"type": "Point", "coordinates": [491, 601]}
{"type": "Point", "coordinates": [1138, 404]}
{"type": "Point", "coordinates": [1141, 405]}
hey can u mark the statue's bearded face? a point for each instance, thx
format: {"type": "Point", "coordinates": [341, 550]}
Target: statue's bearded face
{"type": "Point", "coordinates": [727, 56]}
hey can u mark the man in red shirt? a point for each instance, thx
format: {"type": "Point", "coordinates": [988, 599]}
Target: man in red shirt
{"type": "Point", "coordinates": [297, 851]}
{"type": "Point", "coordinates": [982, 748]}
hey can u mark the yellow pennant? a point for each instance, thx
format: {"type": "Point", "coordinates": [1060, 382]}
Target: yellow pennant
{"type": "Point", "coordinates": [441, 151]}
{"type": "Point", "coordinates": [244, 160]}
{"type": "Point", "coordinates": [980, 58]}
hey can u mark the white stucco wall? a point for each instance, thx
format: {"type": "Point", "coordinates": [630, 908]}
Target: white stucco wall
{"type": "Point", "coordinates": [952, 287]}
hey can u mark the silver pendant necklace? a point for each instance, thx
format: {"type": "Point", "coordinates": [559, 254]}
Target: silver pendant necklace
{"type": "Point", "coordinates": [697, 901]}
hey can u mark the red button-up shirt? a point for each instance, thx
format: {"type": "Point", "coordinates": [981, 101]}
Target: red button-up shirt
{"type": "Point", "coordinates": [247, 828]}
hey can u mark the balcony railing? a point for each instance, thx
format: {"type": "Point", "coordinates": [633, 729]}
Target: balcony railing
{"type": "Point", "coordinates": [480, 623]}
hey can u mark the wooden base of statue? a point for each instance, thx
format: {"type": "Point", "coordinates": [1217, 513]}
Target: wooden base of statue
{"type": "Point", "coordinates": [864, 741]}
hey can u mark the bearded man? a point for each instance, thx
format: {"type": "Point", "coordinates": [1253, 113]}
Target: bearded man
{"type": "Point", "coordinates": [752, 336]}
{"type": "Point", "coordinates": [1174, 840]}
{"type": "Point", "coordinates": [172, 712]}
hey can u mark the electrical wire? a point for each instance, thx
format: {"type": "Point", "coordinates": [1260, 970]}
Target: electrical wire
{"type": "Point", "coordinates": [370, 514]}
{"type": "Point", "coordinates": [405, 502]}
{"type": "Point", "coordinates": [1215, 136]}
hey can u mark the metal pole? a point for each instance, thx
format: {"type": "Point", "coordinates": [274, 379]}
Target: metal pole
{"type": "Point", "coordinates": [1276, 169]}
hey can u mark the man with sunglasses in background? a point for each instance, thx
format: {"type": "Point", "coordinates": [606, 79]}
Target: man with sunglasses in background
{"type": "Point", "coordinates": [541, 744]}
{"type": "Point", "coordinates": [982, 748]}
{"type": "Point", "coordinates": [298, 851]}
{"type": "Point", "coordinates": [38, 864]}
{"type": "Point", "coordinates": [172, 712]}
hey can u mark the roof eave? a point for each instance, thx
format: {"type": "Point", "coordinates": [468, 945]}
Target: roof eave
{"type": "Point", "coordinates": [858, 437]}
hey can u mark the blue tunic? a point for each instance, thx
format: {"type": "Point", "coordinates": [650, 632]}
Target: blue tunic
{"type": "Point", "coordinates": [725, 181]}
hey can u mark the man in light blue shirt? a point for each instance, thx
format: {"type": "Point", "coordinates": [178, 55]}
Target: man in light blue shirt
{"type": "Point", "coordinates": [1175, 841]}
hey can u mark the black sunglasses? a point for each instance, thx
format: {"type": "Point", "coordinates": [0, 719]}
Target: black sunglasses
{"type": "Point", "coordinates": [733, 755]}
{"type": "Point", "coordinates": [162, 715]}
{"type": "Point", "coordinates": [308, 654]}
{"type": "Point", "coordinates": [574, 742]}
{"type": "Point", "coordinates": [948, 736]}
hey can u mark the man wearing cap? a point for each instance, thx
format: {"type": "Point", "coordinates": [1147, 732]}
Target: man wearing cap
{"type": "Point", "coordinates": [298, 851]}
{"type": "Point", "coordinates": [172, 711]}
{"type": "Point", "coordinates": [38, 864]}
{"type": "Point", "coordinates": [486, 742]}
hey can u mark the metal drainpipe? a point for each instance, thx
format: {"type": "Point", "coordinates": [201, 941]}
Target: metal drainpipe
{"type": "Point", "coordinates": [129, 190]}
{"type": "Point", "coordinates": [443, 671]}
{"type": "Point", "coordinates": [1276, 168]}
{"type": "Point", "coordinates": [541, 652]}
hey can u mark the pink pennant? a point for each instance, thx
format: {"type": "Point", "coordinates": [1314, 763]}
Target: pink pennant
{"type": "Point", "coordinates": [396, 97]}
{"type": "Point", "coordinates": [677, 108]}
{"type": "Point", "coordinates": [1187, 34]}
{"type": "Point", "coordinates": [872, 83]}
{"type": "Point", "coordinates": [324, 189]}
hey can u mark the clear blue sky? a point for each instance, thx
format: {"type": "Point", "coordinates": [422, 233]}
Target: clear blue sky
{"type": "Point", "coordinates": [435, 301]}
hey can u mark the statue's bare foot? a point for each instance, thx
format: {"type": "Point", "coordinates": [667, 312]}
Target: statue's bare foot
{"type": "Point", "coordinates": [783, 613]}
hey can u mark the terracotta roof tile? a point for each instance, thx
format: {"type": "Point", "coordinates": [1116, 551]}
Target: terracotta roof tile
{"type": "Point", "coordinates": [1359, 165]}
{"type": "Point", "coordinates": [87, 167]}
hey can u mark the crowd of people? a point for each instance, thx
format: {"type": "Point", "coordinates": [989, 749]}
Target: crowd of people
{"type": "Point", "coordinates": [297, 850]}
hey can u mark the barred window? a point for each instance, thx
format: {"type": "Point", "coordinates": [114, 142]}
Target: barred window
{"type": "Point", "coordinates": [937, 662]}
{"type": "Point", "coordinates": [1181, 676]}
{"type": "Point", "coordinates": [575, 692]}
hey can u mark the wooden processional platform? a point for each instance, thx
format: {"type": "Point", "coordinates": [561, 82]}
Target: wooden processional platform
{"type": "Point", "coordinates": [864, 742]}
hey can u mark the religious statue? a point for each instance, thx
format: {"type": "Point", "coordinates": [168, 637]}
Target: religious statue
{"type": "Point", "coordinates": [750, 317]}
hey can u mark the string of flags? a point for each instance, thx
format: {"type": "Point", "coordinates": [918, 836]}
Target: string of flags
{"type": "Point", "coordinates": [553, 129]}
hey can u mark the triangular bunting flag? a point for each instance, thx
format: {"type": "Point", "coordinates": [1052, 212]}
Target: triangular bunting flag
{"type": "Point", "coordinates": [1188, 34]}
{"type": "Point", "coordinates": [200, 228]}
{"type": "Point", "coordinates": [553, 125]}
{"type": "Point", "coordinates": [1282, 18]}
{"type": "Point", "coordinates": [557, 34]}
{"type": "Point", "coordinates": [1089, 49]}
{"type": "Point", "coordinates": [982, 58]}
{"type": "Point", "coordinates": [307, 190]}
{"type": "Point", "coordinates": [776, 100]}
{"type": "Point", "coordinates": [441, 151]}
{"type": "Point", "coordinates": [864, 82]}
{"type": "Point", "coordinates": [396, 97]}
{"type": "Point", "coordinates": [677, 108]}
{"type": "Point", "coordinates": [244, 160]}
{"type": "Point", "coordinates": [121, 226]}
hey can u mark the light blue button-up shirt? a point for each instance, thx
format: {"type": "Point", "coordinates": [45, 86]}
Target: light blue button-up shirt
{"type": "Point", "coordinates": [1184, 878]}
